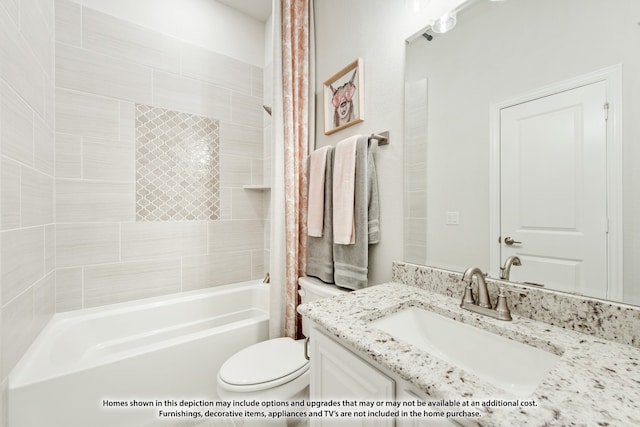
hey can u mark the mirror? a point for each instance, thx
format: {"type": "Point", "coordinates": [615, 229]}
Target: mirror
{"type": "Point", "coordinates": [459, 87]}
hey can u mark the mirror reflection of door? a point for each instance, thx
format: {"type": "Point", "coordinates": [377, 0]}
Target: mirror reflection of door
{"type": "Point", "coordinates": [553, 190]}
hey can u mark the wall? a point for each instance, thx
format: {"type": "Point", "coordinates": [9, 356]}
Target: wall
{"type": "Point", "coordinates": [374, 30]}
{"type": "Point", "coordinates": [70, 77]}
{"type": "Point", "coordinates": [26, 184]}
{"type": "Point", "coordinates": [104, 66]}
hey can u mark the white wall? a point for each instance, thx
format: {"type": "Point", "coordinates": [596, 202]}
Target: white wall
{"type": "Point", "coordinates": [205, 23]}
{"type": "Point", "coordinates": [374, 30]}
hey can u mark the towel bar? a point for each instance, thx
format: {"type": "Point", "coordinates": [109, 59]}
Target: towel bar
{"type": "Point", "coordinates": [382, 137]}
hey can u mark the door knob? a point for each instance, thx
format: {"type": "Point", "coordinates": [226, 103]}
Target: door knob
{"type": "Point", "coordinates": [509, 241]}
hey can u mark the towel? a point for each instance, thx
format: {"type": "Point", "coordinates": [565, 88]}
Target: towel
{"type": "Point", "coordinates": [315, 215]}
{"type": "Point", "coordinates": [351, 262]}
{"type": "Point", "coordinates": [320, 249]}
{"type": "Point", "coordinates": [344, 191]}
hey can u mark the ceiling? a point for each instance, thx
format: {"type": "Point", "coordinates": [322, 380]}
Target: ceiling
{"type": "Point", "coordinates": [257, 9]}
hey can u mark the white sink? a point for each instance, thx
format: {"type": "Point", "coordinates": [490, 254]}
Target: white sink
{"type": "Point", "coordinates": [510, 365]}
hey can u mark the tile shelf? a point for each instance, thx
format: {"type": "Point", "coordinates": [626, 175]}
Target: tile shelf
{"type": "Point", "coordinates": [256, 187]}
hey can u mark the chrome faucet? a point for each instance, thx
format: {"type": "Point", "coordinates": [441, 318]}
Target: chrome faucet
{"type": "Point", "coordinates": [506, 269]}
{"type": "Point", "coordinates": [483, 305]}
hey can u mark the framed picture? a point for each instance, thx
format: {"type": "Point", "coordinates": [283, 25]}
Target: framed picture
{"type": "Point", "coordinates": [343, 98]}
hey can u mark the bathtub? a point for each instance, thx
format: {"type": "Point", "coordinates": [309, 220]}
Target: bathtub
{"type": "Point", "coordinates": [150, 350]}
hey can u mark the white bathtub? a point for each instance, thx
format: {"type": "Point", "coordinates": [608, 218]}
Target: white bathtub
{"type": "Point", "coordinates": [168, 347]}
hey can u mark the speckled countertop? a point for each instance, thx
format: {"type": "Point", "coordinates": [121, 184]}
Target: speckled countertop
{"type": "Point", "coordinates": [596, 382]}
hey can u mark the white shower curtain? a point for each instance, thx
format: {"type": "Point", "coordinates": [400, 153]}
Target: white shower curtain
{"type": "Point", "coordinates": [293, 135]}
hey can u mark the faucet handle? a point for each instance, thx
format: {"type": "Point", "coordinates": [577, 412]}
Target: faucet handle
{"type": "Point", "coordinates": [467, 297]}
{"type": "Point", "coordinates": [502, 308]}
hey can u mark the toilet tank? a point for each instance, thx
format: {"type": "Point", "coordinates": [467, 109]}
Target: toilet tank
{"type": "Point", "coordinates": [312, 289]}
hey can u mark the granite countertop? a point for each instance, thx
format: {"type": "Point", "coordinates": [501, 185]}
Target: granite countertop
{"type": "Point", "coordinates": [595, 382]}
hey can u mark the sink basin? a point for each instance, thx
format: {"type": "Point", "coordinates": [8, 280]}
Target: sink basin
{"type": "Point", "coordinates": [510, 365]}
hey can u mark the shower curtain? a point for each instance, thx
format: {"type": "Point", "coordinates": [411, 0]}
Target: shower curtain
{"type": "Point", "coordinates": [293, 137]}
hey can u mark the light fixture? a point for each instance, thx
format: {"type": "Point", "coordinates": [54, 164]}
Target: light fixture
{"type": "Point", "coordinates": [416, 5]}
{"type": "Point", "coordinates": [445, 23]}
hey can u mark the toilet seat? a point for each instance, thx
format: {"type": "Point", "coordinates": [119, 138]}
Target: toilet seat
{"type": "Point", "coordinates": [264, 365]}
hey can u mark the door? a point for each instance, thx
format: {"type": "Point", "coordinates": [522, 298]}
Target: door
{"type": "Point", "coordinates": [553, 190]}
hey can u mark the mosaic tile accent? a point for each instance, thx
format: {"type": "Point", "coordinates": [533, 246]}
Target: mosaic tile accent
{"type": "Point", "coordinates": [177, 165]}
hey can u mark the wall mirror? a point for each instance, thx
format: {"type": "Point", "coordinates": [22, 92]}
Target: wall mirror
{"type": "Point", "coordinates": [522, 139]}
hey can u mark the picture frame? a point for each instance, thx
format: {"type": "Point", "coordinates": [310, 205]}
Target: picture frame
{"type": "Point", "coordinates": [343, 98]}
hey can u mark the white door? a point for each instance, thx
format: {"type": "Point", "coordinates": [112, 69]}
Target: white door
{"type": "Point", "coordinates": [553, 190]}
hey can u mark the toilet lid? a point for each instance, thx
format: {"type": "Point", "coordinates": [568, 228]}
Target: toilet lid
{"type": "Point", "coordinates": [265, 362]}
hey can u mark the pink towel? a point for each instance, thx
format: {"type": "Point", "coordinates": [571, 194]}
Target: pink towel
{"type": "Point", "coordinates": [344, 174]}
{"type": "Point", "coordinates": [315, 215]}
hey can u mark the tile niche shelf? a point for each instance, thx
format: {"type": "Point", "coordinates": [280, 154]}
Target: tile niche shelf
{"type": "Point", "coordinates": [256, 187]}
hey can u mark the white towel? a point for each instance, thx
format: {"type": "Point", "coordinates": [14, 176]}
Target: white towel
{"type": "Point", "coordinates": [344, 174]}
{"type": "Point", "coordinates": [315, 215]}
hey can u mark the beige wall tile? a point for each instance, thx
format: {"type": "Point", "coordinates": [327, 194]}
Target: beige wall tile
{"type": "Point", "coordinates": [68, 289]}
{"type": "Point", "coordinates": [44, 146]}
{"type": "Point", "coordinates": [235, 171]}
{"type": "Point", "coordinates": [10, 193]}
{"type": "Point", "coordinates": [174, 92]}
{"type": "Point", "coordinates": [4, 403]}
{"type": "Point", "coordinates": [19, 67]}
{"type": "Point", "coordinates": [68, 22]}
{"type": "Point", "coordinates": [36, 25]}
{"type": "Point", "coordinates": [16, 126]}
{"type": "Point", "coordinates": [257, 265]}
{"type": "Point", "coordinates": [257, 82]}
{"type": "Point", "coordinates": [109, 284]}
{"type": "Point", "coordinates": [22, 254]}
{"type": "Point", "coordinates": [127, 121]}
{"type": "Point", "coordinates": [112, 36]}
{"type": "Point", "coordinates": [108, 160]}
{"type": "Point", "coordinates": [417, 204]}
{"type": "Point", "coordinates": [13, 9]}
{"type": "Point", "coordinates": [212, 270]}
{"type": "Point", "coordinates": [86, 244]}
{"type": "Point", "coordinates": [225, 203]}
{"type": "Point", "coordinates": [49, 102]}
{"type": "Point", "coordinates": [220, 70]}
{"type": "Point", "coordinates": [247, 110]}
{"type": "Point", "coordinates": [243, 141]}
{"type": "Point", "coordinates": [17, 320]}
{"type": "Point", "coordinates": [36, 190]}
{"type": "Point", "coordinates": [87, 115]}
{"type": "Point", "coordinates": [144, 240]}
{"type": "Point", "coordinates": [44, 302]}
{"type": "Point", "coordinates": [94, 201]}
{"type": "Point", "coordinates": [247, 204]}
{"type": "Point", "coordinates": [98, 74]}
{"type": "Point", "coordinates": [257, 172]}
{"type": "Point", "coordinates": [49, 248]}
{"type": "Point", "coordinates": [68, 156]}
{"type": "Point", "coordinates": [235, 236]}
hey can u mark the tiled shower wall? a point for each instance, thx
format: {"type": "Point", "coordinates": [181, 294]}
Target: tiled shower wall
{"type": "Point", "coordinates": [415, 172]}
{"type": "Point", "coordinates": [27, 179]}
{"type": "Point", "coordinates": [104, 67]}
{"type": "Point", "coordinates": [70, 78]}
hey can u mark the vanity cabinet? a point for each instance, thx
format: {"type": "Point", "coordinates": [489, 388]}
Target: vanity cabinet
{"type": "Point", "coordinates": [338, 374]}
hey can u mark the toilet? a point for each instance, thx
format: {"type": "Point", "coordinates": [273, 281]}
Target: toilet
{"type": "Point", "coordinates": [277, 368]}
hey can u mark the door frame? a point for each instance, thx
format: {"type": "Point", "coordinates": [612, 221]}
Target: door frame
{"type": "Point", "coordinates": [612, 76]}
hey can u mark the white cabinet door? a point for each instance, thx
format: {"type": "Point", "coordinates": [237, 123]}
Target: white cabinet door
{"type": "Point", "coordinates": [338, 374]}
